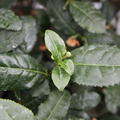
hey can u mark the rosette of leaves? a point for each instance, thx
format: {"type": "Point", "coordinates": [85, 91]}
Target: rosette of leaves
{"type": "Point", "coordinates": [64, 68]}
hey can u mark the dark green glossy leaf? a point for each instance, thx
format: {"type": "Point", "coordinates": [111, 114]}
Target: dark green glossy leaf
{"type": "Point", "coordinates": [16, 71]}
{"type": "Point", "coordinates": [59, 17]}
{"type": "Point", "coordinates": [55, 44]}
{"type": "Point", "coordinates": [78, 113]}
{"type": "Point", "coordinates": [33, 97]}
{"type": "Point", "coordinates": [9, 40]}
{"type": "Point", "coordinates": [97, 65]}
{"type": "Point", "coordinates": [108, 10]}
{"type": "Point", "coordinates": [9, 21]}
{"type": "Point", "coordinates": [40, 89]}
{"type": "Point", "coordinates": [72, 118]}
{"type": "Point", "coordinates": [55, 107]}
{"type": "Point", "coordinates": [6, 3]}
{"type": "Point", "coordinates": [106, 38]}
{"type": "Point", "coordinates": [112, 98]}
{"type": "Point", "coordinates": [60, 78]}
{"type": "Point", "coordinates": [88, 17]}
{"type": "Point", "coordinates": [30, 31]}
{"type": "Point", "coordinates": [85, 100]}
{"type": "Point", "coordinates": [109, 116]}
{"type": "Point", "coordinates": [10, 110]}
{"type": "Point", "coordinates": [24, 38]}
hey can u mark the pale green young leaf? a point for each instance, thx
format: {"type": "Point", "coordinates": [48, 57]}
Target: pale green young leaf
{"type": "Point", "coordinates": [68, 66]}
{"type": "Point", "coordinates": [55, 44]}
{"type": "Point", "coordinates": [60, 78]}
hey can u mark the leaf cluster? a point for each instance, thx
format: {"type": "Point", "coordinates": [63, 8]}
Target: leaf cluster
{"type": "Point", "coordinates": [59, 62]}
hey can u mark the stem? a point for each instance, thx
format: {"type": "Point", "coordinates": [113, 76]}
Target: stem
{"type": "Point", "coordinates": [16, 95]}
{"type": "Point", "coordinates": [85, 41]}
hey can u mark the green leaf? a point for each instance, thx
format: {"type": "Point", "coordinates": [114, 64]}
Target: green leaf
{"type": "Point", "coordinates": [24, 39]}
{"type": "Point", "coordinates": [55, 107]}
{"type": "Point", "coordinates": [6, 3]}
{"type": "Point", "coordinates": [112, 98]}
{"type": "Point", "coordinates": [33, 97]}
{"type": "Point", "coordinates": [55, 44]}
{"type": "Point", "coordinates": [87, 16]}
{"type": "Point", "coordinates": [30, 31]}
{"type": "Point", "coordinates": [9, 40]}
{"type": "Point", "coordinates": [68, 66]}
{"type": "Point", "coordinates": [9, 21]}
{"type": "Point", "coordinates": [40, 89]}
{"type": "Point", "coordinates": [10, 110]}
{"type": "Point", "coordinates": [108, 10]}
{"type": "Point", "coordinates": [79, 114]}
{"type": "Point", "coordinates": [85, 100]}
{"type": "Point", "coordinates": [16, 71]}
{"type": "Point", "coordinates": [109, 116]}
{"type": "Point", "coordinates": [107, 38]}
{"type": "Point", "coordinates": [60, 18]}
{"type": "Point", "coordinates": [60, 78]}
{"type": "Point", "coordinates": [97, 65]}
{"type": "Point", "coordinates": [73, 118]}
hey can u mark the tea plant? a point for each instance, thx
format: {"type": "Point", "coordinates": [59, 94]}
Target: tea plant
{"type": "Point", "coordinates": [59, 60]}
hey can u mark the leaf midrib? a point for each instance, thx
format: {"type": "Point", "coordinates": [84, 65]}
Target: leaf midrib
{"type": "Point", "coordinates": [96, 65]}
{"type": "Point", "coordinates": [91, 19]}
{"type": "Point", "coordinates": [9, 115]}
{"type": "Point", "coordinates": [25, 69]}
{"type": "Point", "coordinates": [54, 46]}
{"type": "Point", "coordinates": [55, 107]}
